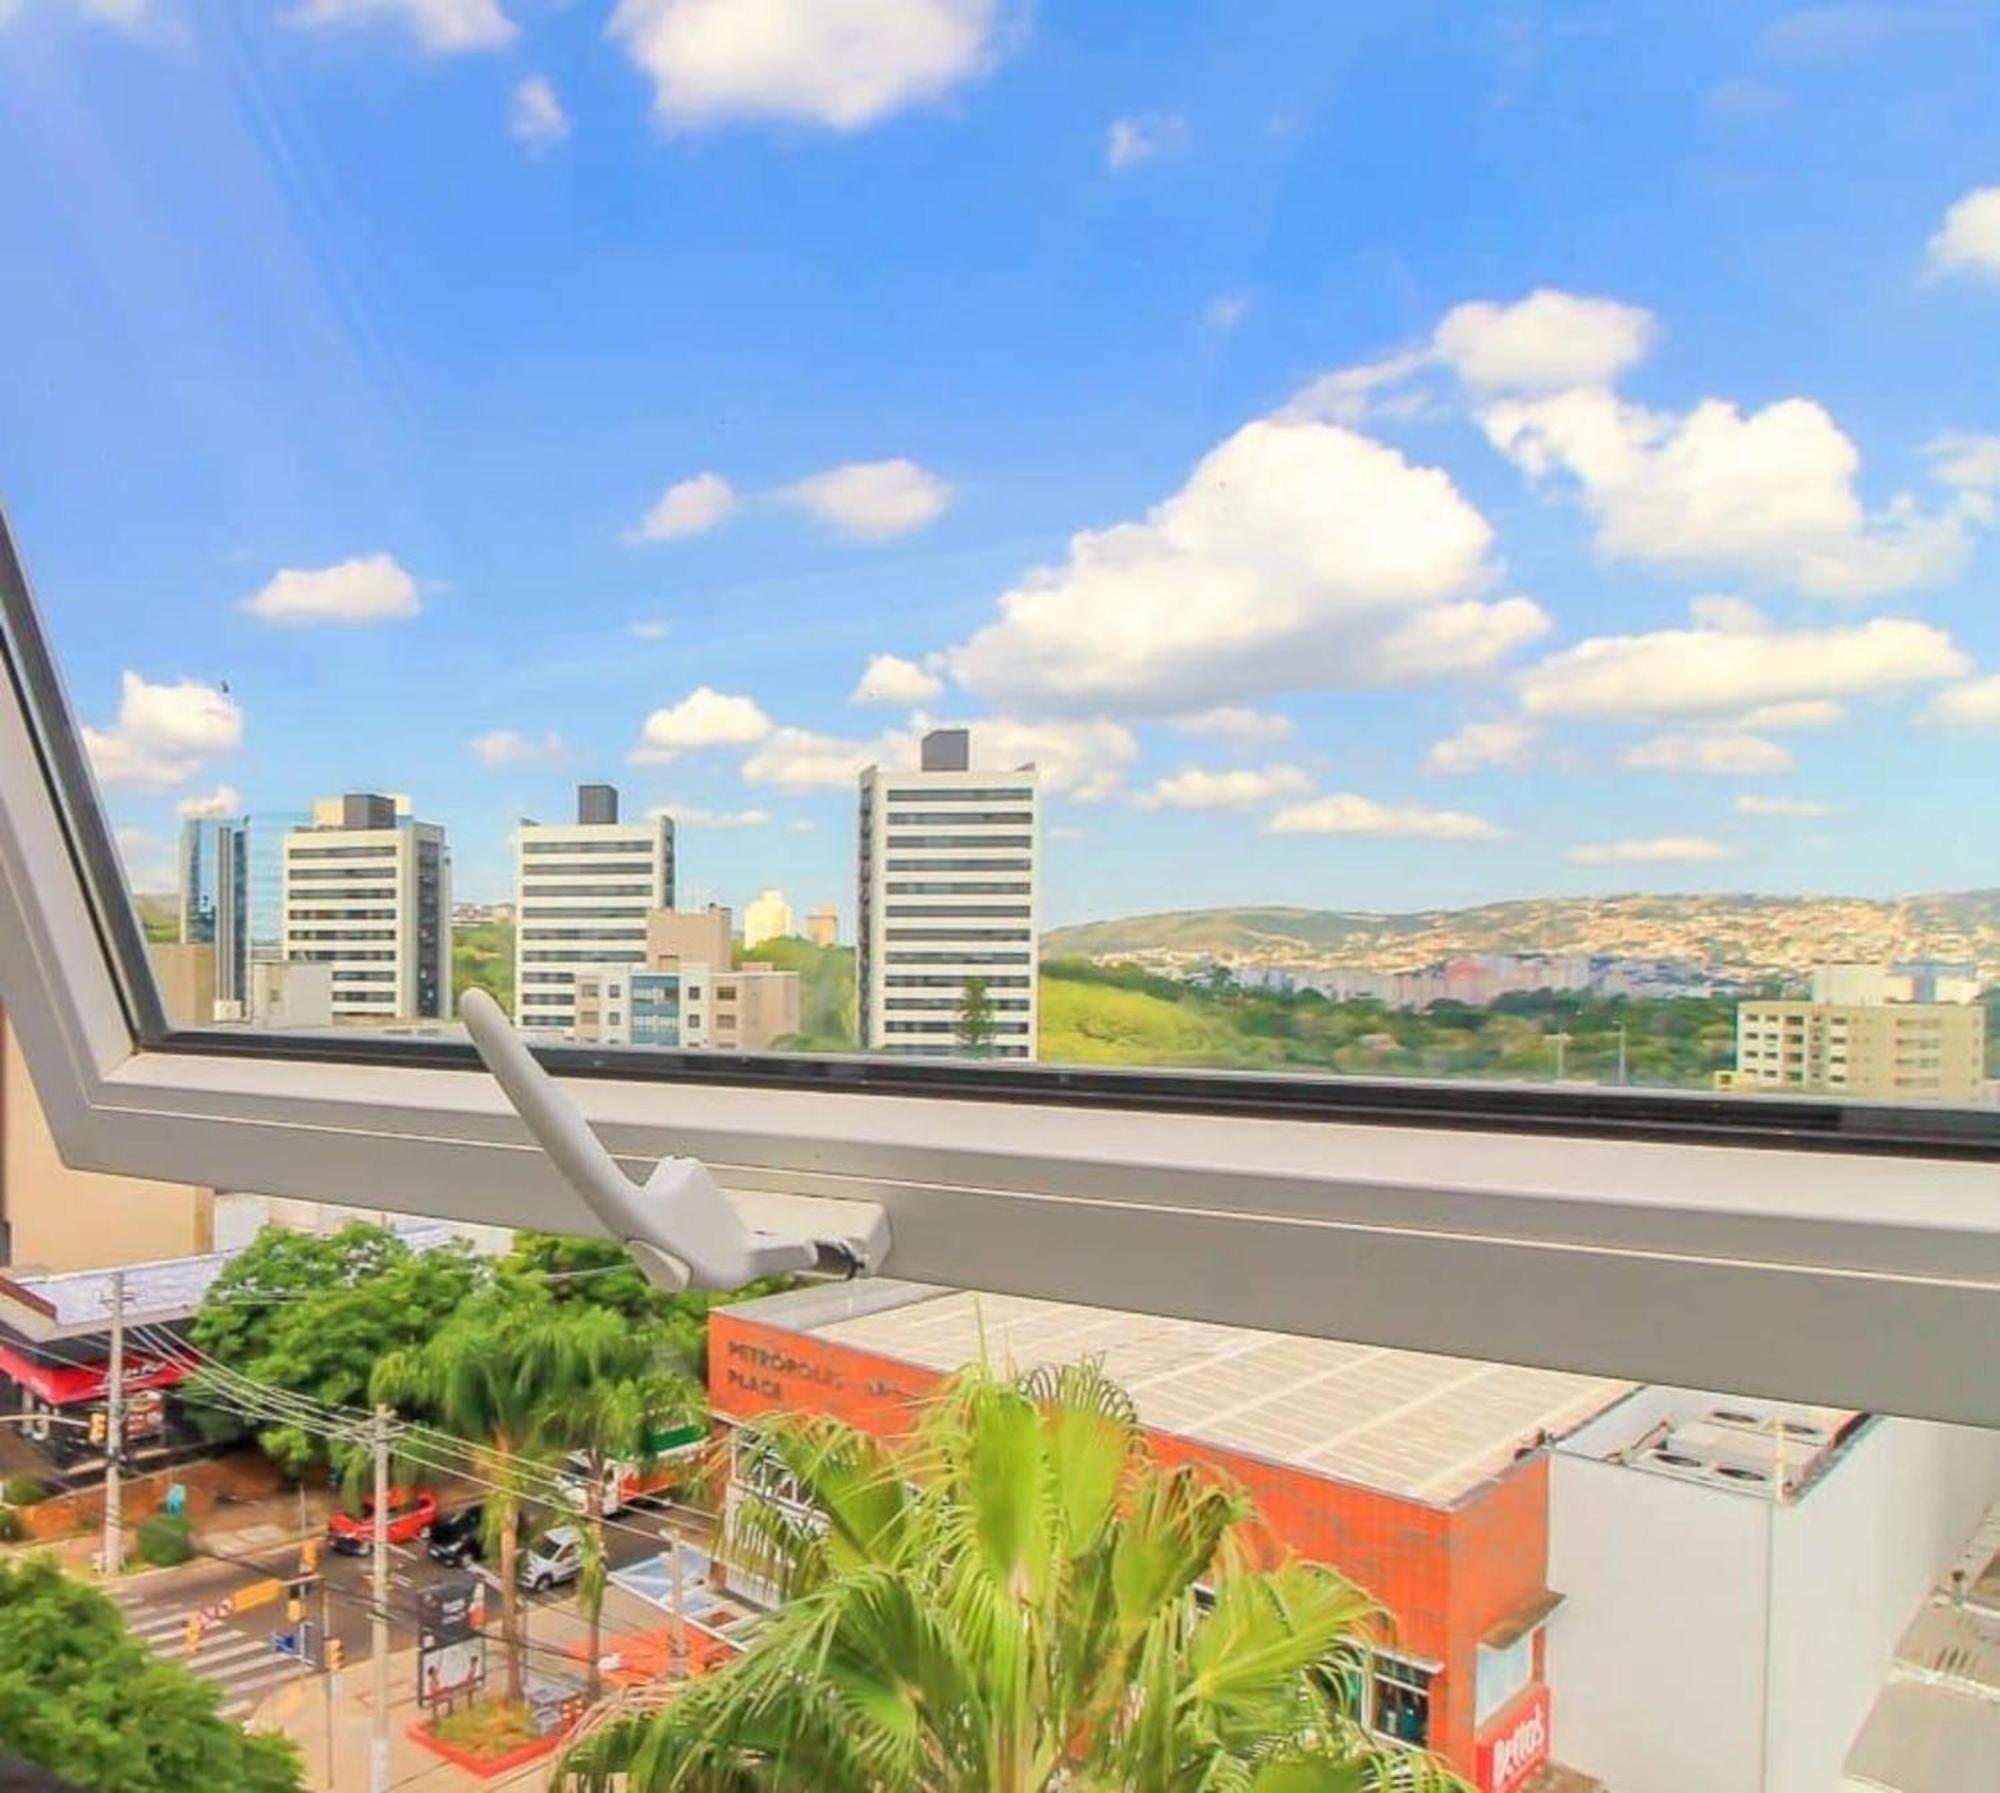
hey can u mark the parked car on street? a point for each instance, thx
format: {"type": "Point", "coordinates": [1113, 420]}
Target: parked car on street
{"type": "Point", "coordinates": [412, 1512]}
{"type": "Point", "coordinates": [458, 1537]}
{"type": "Point", "coordinates": [555, 1556]}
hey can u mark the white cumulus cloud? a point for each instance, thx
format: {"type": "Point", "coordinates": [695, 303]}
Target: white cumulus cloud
{"type": "Point", "coordinates": [509, 747]}
{"type": "Point", "coordinates": [839, 63]}
{"type": "Point", "coordinates": [1974, 704]}
{"type": "Point", "coordinates": [535, 117]}
{"type": "Point", "coordinates": [447, 27]}
{"type": "Point", "coordinates": [1239, 788]}
{"type": "Point", "coordinates": [164, 734]}
{"type": "Point", "coordinates": [1130, 141]}
{"type": "Point", "coordinates": [1236, 724]}
{"type": "Point", "coordinates": [1968, 241]}
{"type": "Point", "coordinates": [872, 500]}
{"type": "Point", "coordinates": [1768, 493]}
{"type": "Point", "coordinates": [692, 815]}
{"type": "Point", "coordinates": [368, 589]}
{"type": "Point", "coordinates": [1722, 755]}
{"type": "Point", "coordinates": [1811, 712]}
{"type": "Point", "coordinates": [890, 679]}
{"type": "Point", "coordinates": [1750, 804]}
{"type": "Point", "coordinates": [1693, 673]}
{"type": "Point", "coordinates": [649, 628]}
{"type": "Point", "coordinates": [1085, 760]}
{"type": "Point", "coordinates": [1664, 849]}
{"type": "Point", "coordinates": [1547, 342]}
{"type": "Point", "coordinates": [703, 718]}
{"type": "Point", "coordinates": [1484, 746]}
{"type": "Point", "coordinates": [687, 507]}
{"type": "Point", "coordinates": [224, 800]}
{"type": "Point", "coordinates": [1297, 554]}
{"type": "Point", "coordinates": [1346, 813]}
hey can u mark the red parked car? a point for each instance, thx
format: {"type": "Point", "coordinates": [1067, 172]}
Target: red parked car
{"type": "Point", "coordinates": [411, 1512]}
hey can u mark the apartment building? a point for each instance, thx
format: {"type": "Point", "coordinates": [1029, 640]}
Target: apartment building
{"type": "Point", "coordinates": [367, 893]}
{"type": "Point", "coordinates": [1861, 1036]}
{"type": "Point", "coordinates": [583, 891]}
{"type": "Point", "coordinates": [767, 917]}
{"type": "Point", "coordinates": [947, 894]}
{"type": "Point", "coordinates": [823, 926]}
{"type": "Point", "coordinates": [687, 995]}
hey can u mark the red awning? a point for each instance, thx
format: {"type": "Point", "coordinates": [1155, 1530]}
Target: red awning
{"type": "Point", "coordinates": [70, 1384]}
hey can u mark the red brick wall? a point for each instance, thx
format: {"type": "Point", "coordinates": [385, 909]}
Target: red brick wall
{"type": "Point", "coordinates": [1499, 1564]}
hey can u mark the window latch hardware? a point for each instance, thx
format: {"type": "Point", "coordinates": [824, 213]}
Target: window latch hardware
{"type": "Point", "coordinates": [679, 1225]}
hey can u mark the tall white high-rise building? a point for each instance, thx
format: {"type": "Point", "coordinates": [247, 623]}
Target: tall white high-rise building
{"type": "Point", "coordinates": [582, 893]}
{"type": "Point", "coordinates": [366, 891]}
{"type": "Point", "coordinates": [767, 916]}
{"type": "Point", "coordinates": [948, 894]}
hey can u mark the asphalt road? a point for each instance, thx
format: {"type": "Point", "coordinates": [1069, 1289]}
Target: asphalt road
{"type": "Point", "coordinates": [239, 1649]}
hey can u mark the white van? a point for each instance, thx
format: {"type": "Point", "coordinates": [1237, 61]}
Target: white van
{"type": "Point", "coordinates": [555, 1556]}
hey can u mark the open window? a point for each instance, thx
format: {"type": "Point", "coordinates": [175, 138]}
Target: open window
{"type": "Point", "coordinates": [230, 944]}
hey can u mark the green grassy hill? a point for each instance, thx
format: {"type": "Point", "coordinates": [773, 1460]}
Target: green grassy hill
{"type": "Point", "coordinates": [482, 958]}
{"type": "Point", "coordinates": [1123, 1016]}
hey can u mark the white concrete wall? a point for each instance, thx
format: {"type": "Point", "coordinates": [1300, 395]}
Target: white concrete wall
{"type": "Point", "coordinates": [1852, 1563]}
{"type": "Point", "coordinates": [1655, 1659]}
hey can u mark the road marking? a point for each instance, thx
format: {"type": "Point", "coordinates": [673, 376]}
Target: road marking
{"type": "Point", "coordinates": [160, 1625]}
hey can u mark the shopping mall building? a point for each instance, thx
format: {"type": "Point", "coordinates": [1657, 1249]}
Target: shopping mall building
{"type": "Point", "coordinates": [1574, 1566]}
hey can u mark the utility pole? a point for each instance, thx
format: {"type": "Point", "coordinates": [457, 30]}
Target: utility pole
{"type": "Point", "coordinates": [1561, 1043]}
{"type": "Point", "coordinates": [114, 1433]}
{"type": "Point", "coordinates": [1621, 1055]}
{"type": "Point", "coordinates": [378, 1748]}
{"type": "Point", "coordinates": [326, 1653]}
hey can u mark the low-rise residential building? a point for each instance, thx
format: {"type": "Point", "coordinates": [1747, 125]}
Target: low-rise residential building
{"type": "Point", "coordinates": [1865, 1033]}
{"type": "Point", "coordinates": [687, 993]}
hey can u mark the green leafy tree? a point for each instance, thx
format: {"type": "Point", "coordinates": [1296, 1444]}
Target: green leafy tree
{"type": "Point", "coordinates": [314, 1316]}
{"type": "Point", "coordinates": [975, 1019]}
{"type": "Point", "coordinates": [601, 1273]}
{"type": "Point", "coordinates": [1007, 1603]}
{"type": "Point", "coordinates": [84, 1699]}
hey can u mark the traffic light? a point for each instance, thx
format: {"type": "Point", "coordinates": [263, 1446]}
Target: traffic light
{"type": "Point", "coordinates": [295, 1607]}
{"type": "Point", "coordinates": [336, 1655]}
{"type": "Point", "coordinates": [309, 1557]}
{"type": "Point", "coordinates": [100, 1427]}
{"type": "Point", "coordinates": [193, 1633]}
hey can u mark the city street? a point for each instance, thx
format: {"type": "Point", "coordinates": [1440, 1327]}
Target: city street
{"type": "Point", "coordinates": [245, 1653]}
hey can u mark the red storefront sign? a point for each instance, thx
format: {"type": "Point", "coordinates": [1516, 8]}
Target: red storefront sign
{"type": "Point", "coordinates": [65, 1384]}
{"type": "Point", "coordinates": [1512, 1749]}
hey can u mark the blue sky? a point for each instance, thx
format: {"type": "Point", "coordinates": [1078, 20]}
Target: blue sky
{"type": "Point", "coordinates": [1370, 457]}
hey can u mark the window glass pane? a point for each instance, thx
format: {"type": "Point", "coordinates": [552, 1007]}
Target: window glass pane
{"type": "Point", "coordinates": [1325, 546]}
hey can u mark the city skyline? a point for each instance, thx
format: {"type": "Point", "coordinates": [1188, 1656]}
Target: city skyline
{"type": "Point", "coordinates": [1343, 493]}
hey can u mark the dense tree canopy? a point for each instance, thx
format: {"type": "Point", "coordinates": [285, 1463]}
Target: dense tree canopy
{"type": "Point", "coordinates": [83, 1698]}
{"type": "Point", "coordinates": [314, 1315]}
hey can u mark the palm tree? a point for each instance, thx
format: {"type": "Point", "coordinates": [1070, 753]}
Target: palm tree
{"type": "Point", "coordinates": [614, 1418]}
{"type": "Point", "coordinates": [1017, 1599]}
{"type": "Point", "coordinates": [500, 1374]}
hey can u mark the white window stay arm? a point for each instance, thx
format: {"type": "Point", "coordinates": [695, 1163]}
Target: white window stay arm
{"type": "Point", "coordinates": [679, 1225]}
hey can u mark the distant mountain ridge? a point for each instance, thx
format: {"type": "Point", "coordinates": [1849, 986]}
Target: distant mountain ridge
{"type": "Point", "coordinates": [1738, 932]}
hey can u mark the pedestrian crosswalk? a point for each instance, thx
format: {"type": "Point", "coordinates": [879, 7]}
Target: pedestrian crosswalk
{"type": "Point", "coordinates": [245, 1667]}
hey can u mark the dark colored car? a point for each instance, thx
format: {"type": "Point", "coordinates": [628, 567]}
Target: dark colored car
{"type": "Point", "coordinates": [456, 1538]}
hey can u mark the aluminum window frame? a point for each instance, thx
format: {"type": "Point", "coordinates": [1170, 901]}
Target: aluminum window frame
{"type": "Point", "coordinates": [1818, 1251]}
